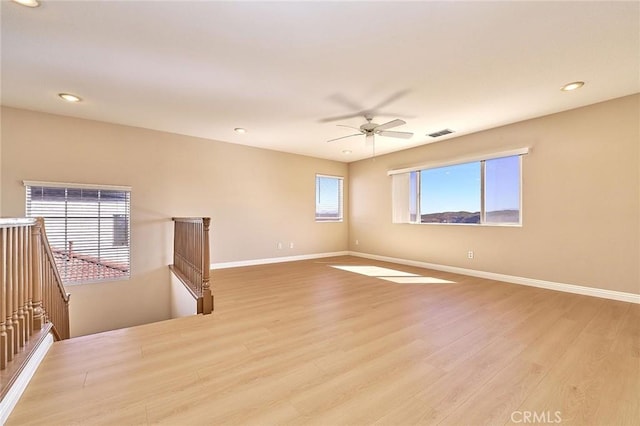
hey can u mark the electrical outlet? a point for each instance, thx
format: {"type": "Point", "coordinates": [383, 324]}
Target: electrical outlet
{"type": "Point", "coordinates": [290, 245]}
{"type": "Point", "coordinates": [470, 254]}
{"type": "Point", "coordinates": [357, 242]}
{"type": "Point", "coordinates": [279, 246]}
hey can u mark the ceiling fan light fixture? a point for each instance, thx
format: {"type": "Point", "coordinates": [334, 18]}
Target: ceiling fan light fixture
{"type": "Point", "coordinates": [572, 86]}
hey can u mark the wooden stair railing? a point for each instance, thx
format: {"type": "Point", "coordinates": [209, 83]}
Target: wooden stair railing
{"type": "Point", "coordinates": [32, 297]}
{"type": "Point", "coordinates": [191, 258]}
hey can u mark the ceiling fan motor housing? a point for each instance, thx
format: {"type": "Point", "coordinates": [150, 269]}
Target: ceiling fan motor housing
{"type": "Point", "coordinates": [368, 127]}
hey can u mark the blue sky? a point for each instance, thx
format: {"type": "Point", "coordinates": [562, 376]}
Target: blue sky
{"type": "Point", "coordinates": [450, 189]}
{"type": "Point", "coordinates": [457, 188]}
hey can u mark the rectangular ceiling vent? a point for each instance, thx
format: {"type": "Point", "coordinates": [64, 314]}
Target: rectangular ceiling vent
{"type": "Point", "coordinates": [440, 133]}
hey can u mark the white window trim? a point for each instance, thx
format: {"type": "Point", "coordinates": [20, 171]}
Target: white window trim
{"type": "Point", "coordinates": [460, 160]}
{"type": "Point", "coordinates": [399, 189]}
{"type": "Point", "coordinates": [341, 219]}
{"type": "Point", "coordinates": [76, 185]}
{"type": "Point", "coordinates": [97, 187]}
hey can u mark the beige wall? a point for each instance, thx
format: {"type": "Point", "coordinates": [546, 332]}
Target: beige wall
{"type": "Point", "coordinates": [255, 198]}
{"type": "Point", "coordinates": [183, 304]}
{"type": "Point", "coordinates": [581, 215]}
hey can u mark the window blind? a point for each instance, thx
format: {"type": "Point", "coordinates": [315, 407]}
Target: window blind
{"type": "Point", "coordinates": [400, 198]}
{"type": "Point", "coordinates": [87, 226]}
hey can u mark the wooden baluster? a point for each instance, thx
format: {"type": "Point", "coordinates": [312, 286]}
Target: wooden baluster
{"type": "Point", "coordinates": [9, 296]}
{"type": "Point", "coordinates": [194, 257]}
{"type": "Point", "coordinates": [46, 299]}
{"type": "Point", "coordinates": [188, 248]}
{"type": "Point", "coordinates": [14, 291]}
{"type": "Point", "coordinates": [47, 307]}
{"type": "Point", "coordinates": [207, 303]}
{"type": "Point", "coordinates": [28, 286]}
{"type": "Point", "coordinates": [178, 246]}
{"type": "Point", "coordinates": [20, 264]}
{"type": "Point", "coordinates": [185, 251]}
{"type": "Point", "coordinates": [36, 273]}
{"type": "Point", "coordinates": [3, 301]}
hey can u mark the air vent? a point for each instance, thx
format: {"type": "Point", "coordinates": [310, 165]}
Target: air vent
{"type": "Point", "coordinates": [440, 133]}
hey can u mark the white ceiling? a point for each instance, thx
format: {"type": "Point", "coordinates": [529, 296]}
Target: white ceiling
{"type": "Point", "coordinates": [278, 68]}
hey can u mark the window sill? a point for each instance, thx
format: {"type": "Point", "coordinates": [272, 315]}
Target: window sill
{"type": "Point", "coordinates": [90, 282]}
{"type": "Point", "coordinates": [499, 225]}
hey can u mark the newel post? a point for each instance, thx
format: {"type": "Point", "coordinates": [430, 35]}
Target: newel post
{"type": "Point", "coordinates": [36, 273]}
{"type": "Point", "coordinates": [207, 298]}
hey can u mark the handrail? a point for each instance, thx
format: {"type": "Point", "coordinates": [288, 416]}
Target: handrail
{"type": "Point", "coordinates": [56, 307]}
{"type": "Point", "coordinates": [7, 222]}
{"type": "Point", "coordinates": [191, 258]}
{"type": "Point", "coordinates": [32, 296]}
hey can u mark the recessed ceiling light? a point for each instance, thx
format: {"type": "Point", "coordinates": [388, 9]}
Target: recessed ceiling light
{"type": "Point", "coordinates": [572, 86]}
{"type": "Point", "coordinates": [240, 130]}
{"type": "Point", "coordinates": [69, 97]}
{"type": "Point", "coordinates": [28, 3]}
{"type": "Point", "coordinates": [346, 151]}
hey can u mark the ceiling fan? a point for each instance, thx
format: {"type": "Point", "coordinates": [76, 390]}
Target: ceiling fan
{"type": "Point", "coordinates": [369, 129]}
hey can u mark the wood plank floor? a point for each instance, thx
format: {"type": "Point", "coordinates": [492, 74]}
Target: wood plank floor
{"type": "Point", "coordinates": [306, 343]}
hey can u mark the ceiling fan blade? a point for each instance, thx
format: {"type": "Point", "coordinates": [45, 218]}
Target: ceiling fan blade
{"type": "Point", "coordinates": [341, 117]}
{"type": "Point", "coordinates": [346, 102]}
{"type": "Point", "coordinates": [392, 134]}
{"type": "Point", "coordinates": [393, 114]}
{"type": "Point", "coordinates": [393, 123]}
{"type": "Point", "coordinates": [394, 97]}
{"type": "Point", "coordinates": [350, 127]}
{"type": "Point", "coordinates": [344, 137]}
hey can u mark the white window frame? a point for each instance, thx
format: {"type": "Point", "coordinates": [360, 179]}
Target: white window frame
{"type": "Point", "coordinates": [401, 190]}
{"type": "Point", "coordinates": [340, 201]}
{"type": "Point", "coordinates": [97, 187]}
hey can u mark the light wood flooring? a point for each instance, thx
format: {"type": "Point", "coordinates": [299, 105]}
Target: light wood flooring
{"type": "Point", "coordinates": [305, 343]}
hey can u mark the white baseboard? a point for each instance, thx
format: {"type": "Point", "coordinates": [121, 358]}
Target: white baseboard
{"type": "Point", "coordinates": [567, 288]}
{"type": "Point", "coordinates": [253, 262]}
{"type": "Point", "coordinates": [13, 396]}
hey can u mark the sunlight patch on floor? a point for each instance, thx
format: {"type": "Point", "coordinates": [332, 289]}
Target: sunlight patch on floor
{"type": "Point", "coordinates": [374, 271]}
{"type": "Point", "coordinates": [392, 275]}
{"type": "Point", "coordinates": [416, 280]}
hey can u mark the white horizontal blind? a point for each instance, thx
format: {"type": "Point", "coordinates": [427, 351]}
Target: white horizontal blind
{"type": "Point", "coordinates": [400, 198]}
{"type": "Point", "coordinates": [329, 198]}
{"type": "Point", "coordinates": [88, 229]}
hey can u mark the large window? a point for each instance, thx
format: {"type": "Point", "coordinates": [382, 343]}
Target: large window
{"type": "Point", "coordinates": [87, 228]}
{"type": "Point", "coordinates": [486, 191]}
{"type": "Point", "coordinates": [328, 198]}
